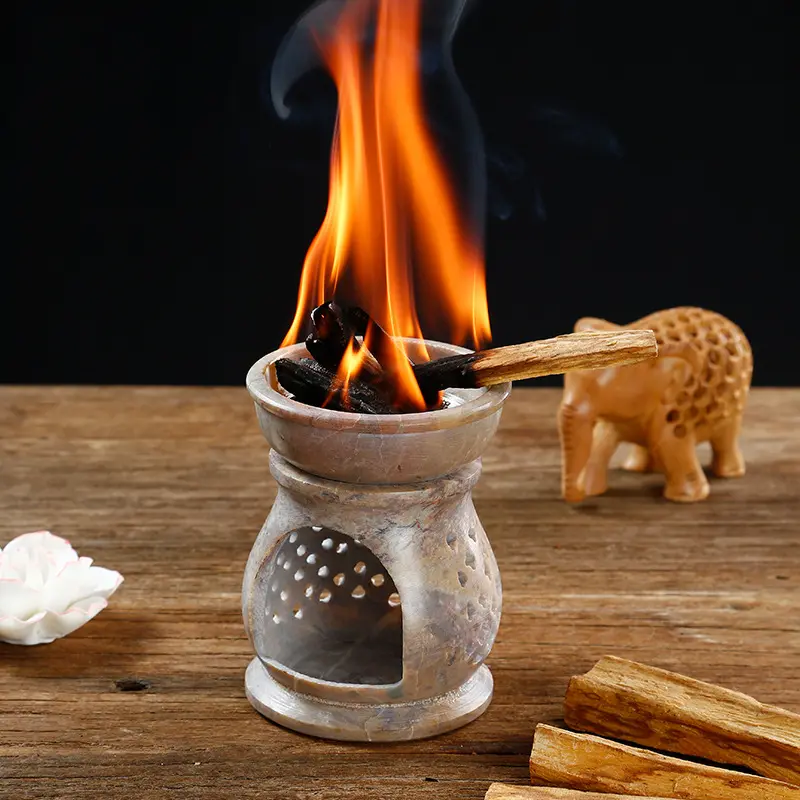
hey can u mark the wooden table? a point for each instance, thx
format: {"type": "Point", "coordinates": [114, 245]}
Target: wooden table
{"type": "Point", "coordinates": [170, 487]}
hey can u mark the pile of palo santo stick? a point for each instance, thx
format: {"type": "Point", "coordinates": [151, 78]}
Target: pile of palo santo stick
{"type": "Point", "coordinates": [339, 330]}
{"type": "Point", "coordinates": [661, 710]}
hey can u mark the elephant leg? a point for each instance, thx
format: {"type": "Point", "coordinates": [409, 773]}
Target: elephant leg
{"type": "Point", "coordinates": [686, 481]}
{"type": "Point", "coordinates": [604, 444]}
{"type": "Point", "coordinates": [638, 460]}
{"type": "Point", "coordinates": [728, 460]}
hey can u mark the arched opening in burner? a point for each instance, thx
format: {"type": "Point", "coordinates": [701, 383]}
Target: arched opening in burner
{"type": "Point", "coordinates": [332, 612]}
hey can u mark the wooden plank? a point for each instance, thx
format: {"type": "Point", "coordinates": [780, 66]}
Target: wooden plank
{"type": "Point", "coordinates": [170, 487]}
{"type": "Point", "coordinates": [504, 791]}
{"type": "Point", "coordinates": [662, 710]}
{"type": "Point", "coordinates": [589, 763]}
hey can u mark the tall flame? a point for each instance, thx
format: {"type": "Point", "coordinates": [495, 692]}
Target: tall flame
{"type": "Point", "coordinates": [390, 202]}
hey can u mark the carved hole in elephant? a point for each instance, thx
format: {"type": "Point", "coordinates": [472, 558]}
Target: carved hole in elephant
{"type": "Point", "coordinates": [732, 348]}
{"type": "Point", "coordinates": [693, 412]}
{"type": "Point", "coordinates": [712, 338]}
{"type": "Point", "coordinates": [699, 392]}
{"type": "Point", "coordinates": [680, 431]}
{"type": "Point", "coordinates": [683, 317]}
{"type": "Point", "coordinates": [338, 629]}
{"type": "Point", "coordinates": [682, 399]}
{"type": "Point", "coordinates": [690, 381]}
{"type": "Point", "coordinates": [691, 330]}
{"type": "Point", "coordinates": [659, 340]}
{"type": "Point", "coordinates": [674, 415]}
{"type": "Point", "coordinates": [674, 335]}
{"type": "Point", "coordinates": [714, 357]}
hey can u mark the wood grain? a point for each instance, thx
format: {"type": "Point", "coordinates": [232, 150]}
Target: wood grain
{"type": "Point", "coordinates": [666, 711]}
{"type": "Point", "coordinates": [504, 791]}
{"type": "Point", "coordinates": [589, 763]}
{"type": "Point", "coordinates": [170, 486]}
{"type": "Point", "coordinates": [581, 350]}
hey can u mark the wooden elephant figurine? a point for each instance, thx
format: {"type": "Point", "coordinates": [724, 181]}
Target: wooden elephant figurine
{"type": "Point", "coordinates": [694, 391]}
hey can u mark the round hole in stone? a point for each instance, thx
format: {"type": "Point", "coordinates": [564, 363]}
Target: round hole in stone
{"type": "Point", "coordinates": [346, 635]}
{"type": "Point", "coordinates": [462, 578]}
{"type": "Point", "coordinates": [674, 415]}
{"type": "Point", "coordinates": [469, 559]}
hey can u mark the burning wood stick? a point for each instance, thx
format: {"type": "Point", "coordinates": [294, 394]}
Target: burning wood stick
{"type": "Point", "coordinates": [664, 710]}
{"type": "Point", "coordinates": [311, 383]}
{"type": "Point", "coordinates": [584, 350]}
{"type": "Point", "coordinates": [504, 791]}
{"type": "Point", "coordinates": [580, 761]}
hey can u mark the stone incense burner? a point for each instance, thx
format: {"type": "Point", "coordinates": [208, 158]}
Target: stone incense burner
{"type": "Point", "coordinates": [372, 596]}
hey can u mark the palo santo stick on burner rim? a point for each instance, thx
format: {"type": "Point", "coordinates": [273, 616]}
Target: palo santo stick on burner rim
{"type": "Point", "coordinates": [667, 711]}
{"type": "Point", "coordinates": [580, 761]}
{"type": "Point", "coordinates": [505, 791]}
{"type": "Point", "coordinates": [583, 350]}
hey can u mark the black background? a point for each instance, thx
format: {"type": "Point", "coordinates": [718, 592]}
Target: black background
{"type": "Point", "coordinates": [636, 159]}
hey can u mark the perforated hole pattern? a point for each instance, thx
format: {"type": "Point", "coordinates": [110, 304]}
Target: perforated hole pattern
{"type": "Point", "coordinates": [718, 390]}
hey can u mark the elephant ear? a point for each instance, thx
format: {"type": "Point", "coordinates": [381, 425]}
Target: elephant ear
{"type": "Point", "coordinates": [595, 324]}
{"type": "Point", "coordinates": [682, 350]}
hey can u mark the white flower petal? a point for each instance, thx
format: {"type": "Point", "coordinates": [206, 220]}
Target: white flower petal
{"type": "Point", "coordinates": [14, 565]}
{"type": "Point", "coordinates": [46, 591]}
{"type": "Point", "coordinates": [59, 548]}
{"type": "Point", "coordinates": [57, 625]}
{"type": "Point", "coordinates": [17, 600]}
{"type": "Point", "coordinates": [15, 631]}
{"type": "Point", "coordinates": [76, 582]}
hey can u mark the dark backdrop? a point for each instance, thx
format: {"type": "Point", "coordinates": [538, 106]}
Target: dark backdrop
{"type": "Point", "coordinates": [636, 160]}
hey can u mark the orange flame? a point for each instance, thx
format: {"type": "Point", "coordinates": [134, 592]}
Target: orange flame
{"type": "Point", "coordinates": [389, 188]}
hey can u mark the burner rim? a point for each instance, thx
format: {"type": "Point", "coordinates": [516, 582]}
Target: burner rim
{"type": "Point", "coordinates": [481, 403]}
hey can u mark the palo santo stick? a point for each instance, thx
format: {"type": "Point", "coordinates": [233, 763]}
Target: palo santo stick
{"type": "Point", "coordinates": [580, 761]}
{"type": "Point", "coordinates": [583, 350]}
{"type": "Point", "coordinates": [667, 711]}
{"type": "Point", "coordinates": [504, 791]}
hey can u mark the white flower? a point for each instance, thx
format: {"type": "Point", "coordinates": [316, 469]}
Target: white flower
{"type": "Point", "coordinates": [46, 591]}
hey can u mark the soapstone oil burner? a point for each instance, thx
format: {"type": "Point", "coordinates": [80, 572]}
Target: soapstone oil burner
{"type": "Point", "coordinates": [371, 595]}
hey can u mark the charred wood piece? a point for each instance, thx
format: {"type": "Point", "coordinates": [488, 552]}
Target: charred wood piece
{"type": "Point", "coordinates": [313, 384]}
